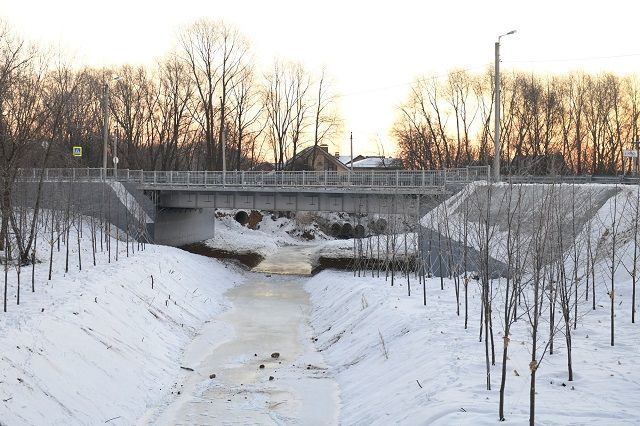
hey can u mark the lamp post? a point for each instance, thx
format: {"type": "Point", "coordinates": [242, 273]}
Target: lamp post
{"type": "Point", "coordinates": [115, 153]}
{"type": "Point", "coordinates": [496, 158]}
{"type": "Point", "coordinates": [105, 124]}
{"type": "Point", "coordinates": [223, 143]}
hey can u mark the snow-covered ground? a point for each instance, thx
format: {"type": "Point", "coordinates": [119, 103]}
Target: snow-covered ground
{"type": "Point", "coordinates": [434, 371]}
{"type": "Point", "coordinates": [272, 233]}
{"type": "Point", "coordinates": [101, 345]}
{"type": "Point", "coordinates": [397, 361]}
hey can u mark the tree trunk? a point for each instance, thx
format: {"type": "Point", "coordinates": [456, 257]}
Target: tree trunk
{"type": "Point", "coordinates": [503, 378]}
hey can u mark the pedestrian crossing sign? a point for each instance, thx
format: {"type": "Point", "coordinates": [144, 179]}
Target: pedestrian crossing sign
{"type": "Point", "coordinates": [77, 151]}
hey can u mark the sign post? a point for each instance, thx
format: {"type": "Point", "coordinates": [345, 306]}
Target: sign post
{"type": "Point", "coordinates": [633, 153]}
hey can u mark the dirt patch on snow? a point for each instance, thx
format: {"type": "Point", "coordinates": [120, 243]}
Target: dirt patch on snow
{"type": "Point", "coordinates": [248, 259]}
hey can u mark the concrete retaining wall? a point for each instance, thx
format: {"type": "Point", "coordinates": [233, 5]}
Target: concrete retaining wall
{"type": "Point", "coordinates": [177, 227]}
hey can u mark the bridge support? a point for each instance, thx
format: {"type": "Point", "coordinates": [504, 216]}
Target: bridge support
{"type": "Point", "coordinates": [350, 202]}
{"type": "Point", "coordinates": [178, 227]}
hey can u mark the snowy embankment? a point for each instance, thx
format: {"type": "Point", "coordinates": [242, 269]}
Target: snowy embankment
{"type": "Point", "coordinates": [573, 206]}
{"type": "Point", "coordinates": [104, 343]}
{"type": "Point", "coordinates": [399, 362]}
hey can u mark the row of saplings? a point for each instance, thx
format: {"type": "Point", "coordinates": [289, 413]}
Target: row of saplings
{"type": "Point", "coordinates": [561, 251]}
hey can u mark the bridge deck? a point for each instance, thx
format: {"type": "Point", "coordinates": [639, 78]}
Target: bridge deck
{"type": "Point", "coordinates": [394, 191]}
{"type": "Point", "coordinates": [372, 182]}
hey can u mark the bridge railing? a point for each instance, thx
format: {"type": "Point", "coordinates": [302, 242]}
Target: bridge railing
{"type": "Point", "coordinates": [313, 179]}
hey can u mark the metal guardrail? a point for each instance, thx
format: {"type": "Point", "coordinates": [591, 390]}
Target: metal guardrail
{"type": "Point", "coordinates": [581, 179]}
{"type": "Point", "coordinates": [309, 179]}
{"type": "Point", "coordinates": [244, 179]}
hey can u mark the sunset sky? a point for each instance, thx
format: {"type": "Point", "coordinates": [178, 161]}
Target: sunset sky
{"type": "Point", "coordinates": [372, 49]}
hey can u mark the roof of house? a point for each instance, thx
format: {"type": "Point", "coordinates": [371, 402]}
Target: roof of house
{"type": "Point", "coordinates": [344, 159]}
{"type": "Point", "coordinates": [378, 163]}
{"type": "Point", "coordinates": [320, 150]}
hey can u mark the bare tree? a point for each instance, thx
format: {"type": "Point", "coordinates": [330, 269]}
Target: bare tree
{"type": "Point", "coordinates": [246, 117]}
{"type": "Point", "coordinates": [215, 54]}
{"type": "Point", "coordinates": [287, 108]}
{"type": "Point", "coordinates": [512, 282]}
{"type": "Point", "coordinates": [327, 122]}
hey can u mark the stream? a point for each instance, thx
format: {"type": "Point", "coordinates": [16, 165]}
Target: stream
{"type": "Point", "coordinates": [269, 314]}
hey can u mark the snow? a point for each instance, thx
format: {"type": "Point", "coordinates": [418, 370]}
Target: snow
{"type": "Point", "coordinates": [108, 346]}
{"type": "Point", "coordinates": [344, 159]}
{"type": "Point", "coordinates": [429, 345]}
{"type": "Point", "coordinates": [129, 201]}
{"type": "Point", "coordinates": [376, 162]}
{"type": "Point", "coordinates": [100, 343]}
{"type": "Point", "coordinates": [272, 233]}
{"type": "Point", "coordinates": [435, 371]}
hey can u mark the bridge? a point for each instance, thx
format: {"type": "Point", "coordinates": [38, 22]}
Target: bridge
{"type": "Point", "coordinates": [190, 196]}
{"type": "Point", "coordinates": [350, 192]}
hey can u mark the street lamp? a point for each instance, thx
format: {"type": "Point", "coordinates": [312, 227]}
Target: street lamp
{"type": "Point", "coordinates": [105, 124]}
{"type": "Point", "coordinates": [496, 158]}
{"type": "Point", "coordinates": [115, 153]}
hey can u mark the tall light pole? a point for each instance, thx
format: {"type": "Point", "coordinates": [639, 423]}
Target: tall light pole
{"type": "Point", "coordinates": [105, 124]}
{"type": "Point", "coordinates": [496, 158]}
{"type": "Point", "coordinates": [223, 142]}
{"type": "Point", "coordinates": [105, 127]}
{"type": "Point", "coordinates": [115, 153]}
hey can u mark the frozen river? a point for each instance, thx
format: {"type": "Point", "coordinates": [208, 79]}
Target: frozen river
{"type": "Point", "coordinates": [267, 315]}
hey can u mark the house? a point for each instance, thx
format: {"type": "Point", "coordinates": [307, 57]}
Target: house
{"type": "Point", "coordinates": [315, 158]}
{"type": "Point", "coordinates": [323, 161]}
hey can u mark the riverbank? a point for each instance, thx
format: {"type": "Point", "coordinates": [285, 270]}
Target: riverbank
{"type": "Point", "coordinates": [104, 343]}
{"type": "Point", "coordinates": [397, 361]}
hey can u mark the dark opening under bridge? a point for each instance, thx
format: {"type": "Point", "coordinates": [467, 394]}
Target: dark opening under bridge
{"type": "Point", "coordinates": [183, 201]}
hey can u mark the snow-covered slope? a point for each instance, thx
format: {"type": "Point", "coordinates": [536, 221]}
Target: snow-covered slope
{"type": "Point", "coordinates": [433, 371]}
{"type": "Point", "coordinates": [102, 344]}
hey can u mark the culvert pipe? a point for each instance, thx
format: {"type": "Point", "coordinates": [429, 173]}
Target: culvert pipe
{"type": "Point", "coordinates": [335, 229]}
{"type": "Point", "coordinates": [347, 230]}
{"type": "Point", "coordinates": [242, 217]}
{"type": "Point", "coordinates": [359, 231]}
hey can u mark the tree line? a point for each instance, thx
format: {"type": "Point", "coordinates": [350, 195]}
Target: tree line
{"type": "Point", "coordinates": [574, 123]}
{"type": "Point", "coordinates": [205, 95]}
{"type": "Point", "coordinates": [204, 100]}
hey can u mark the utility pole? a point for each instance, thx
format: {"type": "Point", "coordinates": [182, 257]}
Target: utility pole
{"type": "Point", "coordinates": [115, 154]}
{"type": "Point", "coordinates": [496, 158]}
{"type": "Point", "coordinates": [105, 127]}
{"type": "Point", "coordinates": [635, 142]}
{"type": "Point", "coordinates": [105, 124]}
{"type": "Point", "coordinates": [223, 142]}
